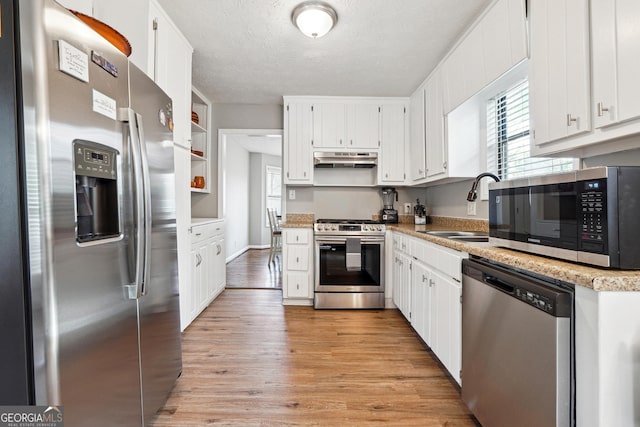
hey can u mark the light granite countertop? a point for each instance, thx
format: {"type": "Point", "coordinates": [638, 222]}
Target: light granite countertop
{"type": "Point", "coordinates": [298, 221]}
{"type": "Point", "coordinates": [201, 221]}
{"type": "Point", "coordinates": [599, 279]}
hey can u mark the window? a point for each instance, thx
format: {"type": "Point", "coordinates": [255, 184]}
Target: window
{"type": "Point", "coordinates": [273, 191]}
{"type": "Point", "coordinates": [508, 138]}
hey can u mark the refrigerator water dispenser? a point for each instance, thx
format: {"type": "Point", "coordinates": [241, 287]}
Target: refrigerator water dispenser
{"type": "Point", "coordinates": [97, 213]}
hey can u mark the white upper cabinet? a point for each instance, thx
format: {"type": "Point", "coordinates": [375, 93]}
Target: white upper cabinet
{"type": "Point", "coordinates": [418, 160]}
{"type": "Point", "coordinates": [393, 132]}
{"type": "Point", "coordinates": [559, 78]}
{"type": "Point", "coordinates": [170, 65]}
{"type": "Point", "coordinates": [298, 134]}
{"type": "Point", "coordinates": [496, 43]}
{"type": "Point", "coordinates": [130, 24]}
{"type": "Point", "coordinates": [329, 125]}
{"type": "Point", "coordinates": [504, 37]}
{"type": "Point", "coordinates": [428, 146]}
{"type": "Point", "coordinates": [565, 97]}
{"type": "Point", "coordinates": [616, 60]}
{"type": "Point", "coordinates": [362, 125]}
{"type": "Point", "coordinates": [436, 144]}
{"type": "Point", "coordinates": [344, 124]}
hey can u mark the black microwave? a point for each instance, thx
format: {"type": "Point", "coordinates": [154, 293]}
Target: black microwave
{"type": "Point", "coordinates": [591, 216]}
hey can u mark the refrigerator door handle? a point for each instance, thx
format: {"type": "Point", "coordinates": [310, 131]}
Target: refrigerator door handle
{"type": "Point", "coordinates": [147, 203]}
{"type": "Point", "coordinates": [129, 116]}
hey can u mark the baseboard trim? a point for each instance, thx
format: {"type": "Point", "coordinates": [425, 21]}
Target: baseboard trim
{"type": "Point", "coordinates": [259, 246]}
{"type": "Point", "coordinates": [237, 254]}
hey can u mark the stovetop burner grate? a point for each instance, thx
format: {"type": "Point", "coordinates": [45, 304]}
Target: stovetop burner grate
{"type": "Point", "coordinates": [346, 221]}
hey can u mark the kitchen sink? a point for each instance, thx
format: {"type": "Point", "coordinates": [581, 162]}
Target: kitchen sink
{"type": "Point", "coordinates": [470, 239]}
{"type": "Point", "coordinates": [461, 236]}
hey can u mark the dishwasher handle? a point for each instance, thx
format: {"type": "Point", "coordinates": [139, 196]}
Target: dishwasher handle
{"type": "Point", "coordinates": [497, 283]}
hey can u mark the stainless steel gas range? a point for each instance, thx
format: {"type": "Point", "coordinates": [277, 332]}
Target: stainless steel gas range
{"type": "Point", "coordinates": [349, 264]}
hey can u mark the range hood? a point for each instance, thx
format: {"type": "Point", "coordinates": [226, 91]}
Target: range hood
{"type": "Point", "coordinates": [345, 160]}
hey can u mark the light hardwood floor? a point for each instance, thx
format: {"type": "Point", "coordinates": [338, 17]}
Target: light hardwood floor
{"type": "Point", "coordinates": [251, 271]}
{"type": "Point", "coordinates": [249, 361]}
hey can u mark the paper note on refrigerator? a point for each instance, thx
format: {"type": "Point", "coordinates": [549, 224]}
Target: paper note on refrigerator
{"type": "Point", "coordinates": [104, 105]}
{"type": "Point", "coordinates": [73, 61]}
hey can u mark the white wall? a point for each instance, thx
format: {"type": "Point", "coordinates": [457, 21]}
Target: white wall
{"type": "Point", "coordinates": [346, 202]}
{"type": "Point", "coordinates": [451, 200]}
{"type": "Point", "coordinates": [232, 116]}
{"type": "Point", "coordinates": [237, 200]}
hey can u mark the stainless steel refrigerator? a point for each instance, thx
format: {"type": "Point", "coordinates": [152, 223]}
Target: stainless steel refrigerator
{"type": "Point", "coordinates": [89, 311]}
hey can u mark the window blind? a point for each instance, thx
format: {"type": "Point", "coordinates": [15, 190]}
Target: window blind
{"type": "Point", "coordinates": [508, 152]}
{"type": "Point", "coordinates": [273, 190]}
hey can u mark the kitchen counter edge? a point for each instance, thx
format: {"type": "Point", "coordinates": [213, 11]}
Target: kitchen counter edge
{"type": "Point", "coordinates": [202, 221]}
{"type": "Point", "coordinates": [598, 279]}
{"type": "Point", "coordinates": [290, 224]}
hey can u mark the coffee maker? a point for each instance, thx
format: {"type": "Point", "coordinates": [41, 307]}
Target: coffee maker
{"type": "Point", "coordinates": [389, 214]}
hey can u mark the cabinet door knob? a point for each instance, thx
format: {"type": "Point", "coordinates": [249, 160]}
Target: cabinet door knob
{"type": "Point", "coordinates": [571, 120]}
{"type": "Point", "coordinates": [444, 165]}
{"type": "Point", "coordinates": [351, 141]}
{"type": "Point", "coordinates": [297, 260]}
{"type": "Point", "coordinates": [431, 283]}
{"type": "Point", "coordinates": [602, 109]}
{"type": "Point", "coordinates": [424, 278]}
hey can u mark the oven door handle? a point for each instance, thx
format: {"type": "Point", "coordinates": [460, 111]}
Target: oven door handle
{"type": "Point", "coordinates": [342, 241]}
{"type": "Point", "coordinates": [325, 247]}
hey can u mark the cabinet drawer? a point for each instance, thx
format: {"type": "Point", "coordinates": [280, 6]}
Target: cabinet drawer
{"type": "Point", "coordinates": [298, 258]}
{"type": "Point", "coordinates": [203, 232]}
{"type": "Point", "coordinates": [297, 285]}
{"type": "Point", "coordinates": [296, 237]}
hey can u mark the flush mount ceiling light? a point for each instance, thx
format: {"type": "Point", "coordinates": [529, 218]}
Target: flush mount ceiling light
{"type": "Point", "coordinates": [314, 18]}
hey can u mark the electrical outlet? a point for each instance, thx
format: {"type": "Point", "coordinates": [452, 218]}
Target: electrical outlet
{"type": "Point", "coordinates": [471, 208]}
{"type": "Point", "coordinates": [407, 208]}
{"type": "Point", "coordinates": [292, 194]}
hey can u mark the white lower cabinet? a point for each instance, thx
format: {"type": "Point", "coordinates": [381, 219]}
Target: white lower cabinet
{"type": "Point", "coordinates": [421, 299]}
{"type": "Point", "coordinates": [402, 283]}
{"type": "Point", "coordinates": [297, 268]}
{"type": "Point", "coordinates": [446, 322]}
{"type": "Point", "coordinates": [427, 290]}
{"type": "Point", "coordinates": [208, 271]}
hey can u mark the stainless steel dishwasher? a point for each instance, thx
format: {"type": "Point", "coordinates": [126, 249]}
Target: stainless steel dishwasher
{"type": "Point", "coordinates": [517, 358]}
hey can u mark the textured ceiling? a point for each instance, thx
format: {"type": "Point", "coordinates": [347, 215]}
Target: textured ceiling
{"type": "Point", "coordinates": [248, 51]}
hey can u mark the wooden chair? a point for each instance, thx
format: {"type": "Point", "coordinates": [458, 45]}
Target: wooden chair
{"type": "Point", "coordinates": [276, 235]}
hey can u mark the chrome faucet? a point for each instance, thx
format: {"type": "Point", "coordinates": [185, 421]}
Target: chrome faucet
{"type": "Point", "coordinates": [473, 194]}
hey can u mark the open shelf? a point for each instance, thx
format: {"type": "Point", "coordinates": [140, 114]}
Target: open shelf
{"type": "Point", "coordinates": [200, 140]}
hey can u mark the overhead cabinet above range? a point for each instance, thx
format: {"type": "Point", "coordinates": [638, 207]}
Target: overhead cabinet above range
{"type": "Point", "coordinates": [345, 125]}
{"type": "Point", "coordinates": [340, 124]}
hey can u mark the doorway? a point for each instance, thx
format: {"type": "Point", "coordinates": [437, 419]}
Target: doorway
{"type": "Point", "coordinates": [249, 181]}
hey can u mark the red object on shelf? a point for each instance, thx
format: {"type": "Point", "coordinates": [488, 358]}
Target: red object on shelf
{"type": "Point", "coordinates": [197, 152]}
{"type": "Point", "coordinates": [199, 180]}
{"type": "Point", "coordinates": [194, 118]}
